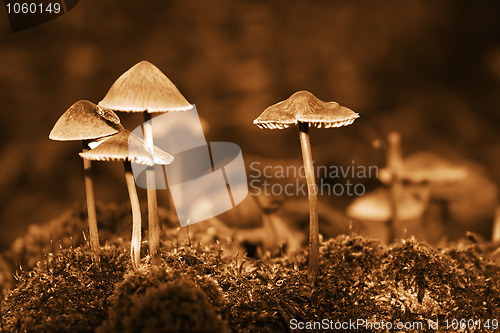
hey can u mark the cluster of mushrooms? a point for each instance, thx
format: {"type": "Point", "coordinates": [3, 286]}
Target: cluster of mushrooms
{"type": "Point", "coordinates": [144, 88]}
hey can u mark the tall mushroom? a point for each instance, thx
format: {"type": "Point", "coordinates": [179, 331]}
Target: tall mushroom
{"type": "Point", "coordinates": [129, 148]}
{"type": "Point", "coordinates": [144, 88]}
{"type": "Point", "coordinates": [305, 109]}
{"type": "Point", "coordinates": [84, 121]}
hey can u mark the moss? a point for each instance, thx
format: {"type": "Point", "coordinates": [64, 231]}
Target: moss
{"type": "Point", "coordinates": [428, 283]}
{"type": "Point", "coordinates": [180, 266]}
{"type": "Point", "coordinates": [64, 293]}
{"type": "Point", "coordinates": [349, 270]}
{"type": "Point", "coordinates": [358, 278]}
{"type": "Point", "coordinates": [479, 284]}
{"type": "Point", "coordinates": [175, 306]}
{"type": "Point", "coordinates": [253, 302]}
{"type": "Point", "coordinates": [67, 232]}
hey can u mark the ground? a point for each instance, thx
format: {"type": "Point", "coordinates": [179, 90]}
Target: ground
{"type": "Point", "coordinates": [212, 287]}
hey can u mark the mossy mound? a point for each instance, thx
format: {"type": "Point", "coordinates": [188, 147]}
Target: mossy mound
{"type": "Point", "coordinates": [363, 279]}
{"type": "Point", "coordinates": [66, 232]}
{"type": "Point", "coordinates": [358, 279]}
{"type": "Point", "coordinates": [64, 293]}
{"type": "Point", "coordinates": [160, 300]}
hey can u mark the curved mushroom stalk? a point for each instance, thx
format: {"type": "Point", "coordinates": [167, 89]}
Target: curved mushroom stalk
{"type": "Point", "coordinates": [135, 243]}
{"type": "Point", "coordinates": [129, 148]}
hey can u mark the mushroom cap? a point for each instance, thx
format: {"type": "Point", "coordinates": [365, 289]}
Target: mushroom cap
{"type": "Point", "coordinates": [374, 206]}
{"type": "Point", "coordinates": [144, 88]}
{"type": "Point", "coordinates": [307, 108]}
{"type": "Point", "coordinates": [427, 167]}
{"type": "Point", "coordinates": [126, 146]}
{"type": "Point", "coordinates": [82, 121]}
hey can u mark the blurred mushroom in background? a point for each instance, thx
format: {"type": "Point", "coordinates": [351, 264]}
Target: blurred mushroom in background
{"type": "Point", "coordinates": [496, 227]}
{"type": "Point", "coordinates": [373, 212]}
{"type": "Point", "coordinates": [456, 197]}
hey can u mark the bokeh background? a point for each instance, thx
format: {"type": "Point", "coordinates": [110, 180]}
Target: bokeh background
{"type": "Point", "coordinates": [428, 69]}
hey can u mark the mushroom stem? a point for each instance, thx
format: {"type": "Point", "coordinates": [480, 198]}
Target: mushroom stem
{"type": "Point", "coordinates": [153, 224]}
{"type": "Point", "coordinates": [395, 192]}
{"type": "Point", "coordinates": [305, 145]}
{"type": "Point", "coordinates": [135, 244]}
{"type": "Point", "coordinates": [395, 165]}
{"type": "Point", "coordinates": [92, 216]}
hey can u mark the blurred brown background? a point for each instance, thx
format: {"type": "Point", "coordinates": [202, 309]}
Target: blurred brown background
{"type": "Point", "coordinates": [429, 69]}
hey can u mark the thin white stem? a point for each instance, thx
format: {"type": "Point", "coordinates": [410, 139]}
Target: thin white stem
{"type": "Point", "coordinates": [135, 244]}
{"type": "Point", "coordinates": [153, 223]}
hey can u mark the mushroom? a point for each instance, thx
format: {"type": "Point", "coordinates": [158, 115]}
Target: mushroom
{"type": "Point", "coordinates": [427, 168]}
{"type": "Point", "coordinates": [144, 88]}
{"type": "Point", "coordinates": [395, 167]}
{"type": "Point", "coordinates": [422, 168]}
{"type": "Point", "coordinates": [376, 208]}
{"type": "Point", "coordinates": [128, 148]}
{"type": "Point", "coordinates": [84, 121]}
{"type": "Point", "coordinates": [305, 109]}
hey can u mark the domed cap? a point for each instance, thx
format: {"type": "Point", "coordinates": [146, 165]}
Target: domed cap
{"type": "Point", "coordinates": [375, 206]}
{"type": "Point", "coordinates": [144, 88]}
{"type": "Point", "coordinates": [427, 167]}
{"type": "Point", "coordinates": [82, 121]}
{"type": "Point", "coordinates": [307, 108]}
{"type": "Point", "coordinates": [125, 146]}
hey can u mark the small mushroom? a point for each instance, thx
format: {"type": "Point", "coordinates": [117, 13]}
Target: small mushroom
{"type": "Point", "coordinates": [425, 168]}
{"type": "Point", "coordinates": [129, 148]}
{"type": "Point", "coordinates": [82, 121]}
{"type": "Point", "coordinates": [305, 109]}
{"type": "Point", "coordinates": [395, 165]}
{"type": "Point", "coordinates": [377, 208]}
{"type": "Point", "coordinates": [421, 168]}
{"type": "Point", "coordinates": [144, 88]}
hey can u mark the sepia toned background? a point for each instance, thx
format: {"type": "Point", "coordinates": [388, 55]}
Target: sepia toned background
{"type": "Point", "coordinates": [430, 70]}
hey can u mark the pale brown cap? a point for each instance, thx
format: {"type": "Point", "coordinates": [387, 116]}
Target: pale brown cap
{"type": "Point", "coordinates": [144, 88]}
{"type": "Point", "coordinates": [307, 108]}
{"type": "Point", "coordinates": [375, 206]}
{"type": "Point", "coordinates": [427, 167]}
{"type": "Point", "coordinates": [82, 121]}
{"type": "Point", "coordinates": [126, 146]}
